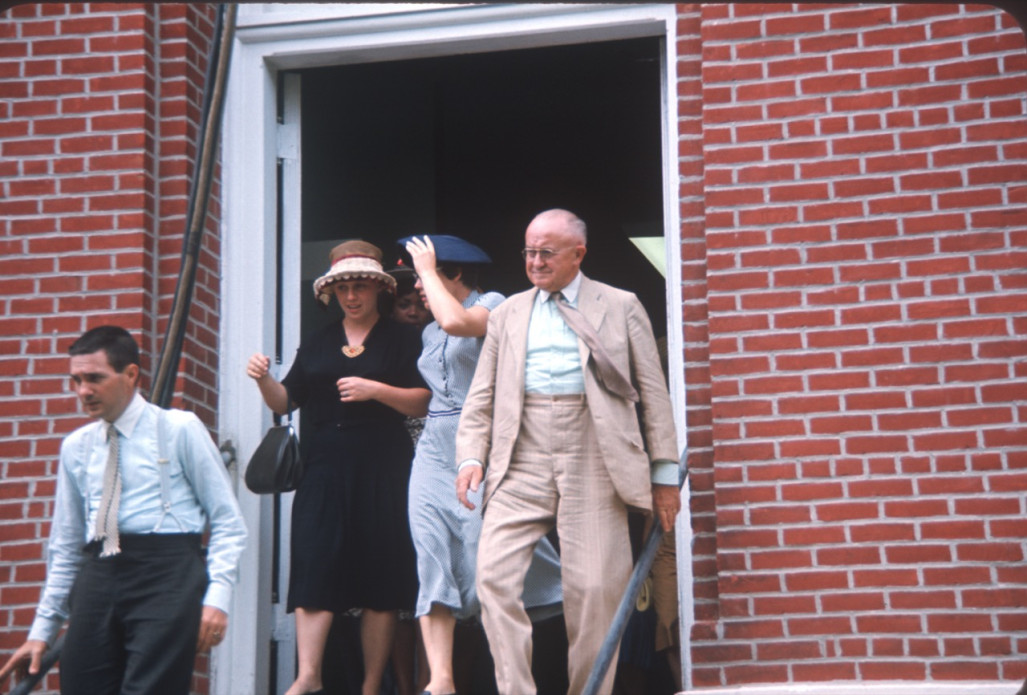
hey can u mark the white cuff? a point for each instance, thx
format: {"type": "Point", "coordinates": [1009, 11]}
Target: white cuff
{"type": "Point", "coordinates": [664, 472]}
{"type": "Point", "coordinates": [219, 596]}
{"type": "Point", "coordinates": [45, 629]}
{"type": "Point", "coordinates": [469, 462]}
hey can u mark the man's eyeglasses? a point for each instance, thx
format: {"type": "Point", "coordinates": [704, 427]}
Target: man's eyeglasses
{"type": "Point", "coordinates": [542, 254]}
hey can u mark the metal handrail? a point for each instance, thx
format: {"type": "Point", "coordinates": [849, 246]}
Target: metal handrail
{"type": "Point", "coordinates": [627, 603]}
{"type": "Point", "coordinates": [25, 685]}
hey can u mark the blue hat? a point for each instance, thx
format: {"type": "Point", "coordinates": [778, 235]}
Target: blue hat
{"type": "Point", "coordinates": [451, 249]}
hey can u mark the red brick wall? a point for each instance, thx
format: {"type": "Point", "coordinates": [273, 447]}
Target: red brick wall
{"type": "Point", "coordinates": [861, 512]}
{"type": "Point", "coordinates": [696, 317]}
{"type": "Point", "coordinates": [854, 240]}
{"type": "Point", "coordinates": [99, 110]}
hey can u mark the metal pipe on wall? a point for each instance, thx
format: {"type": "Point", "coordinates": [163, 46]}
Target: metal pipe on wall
{"type": "Point", "coordinates": [196, 215]}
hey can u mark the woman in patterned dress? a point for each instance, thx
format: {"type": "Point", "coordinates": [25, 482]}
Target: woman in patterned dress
{"type": "Point", "coordinates": [445, 533]}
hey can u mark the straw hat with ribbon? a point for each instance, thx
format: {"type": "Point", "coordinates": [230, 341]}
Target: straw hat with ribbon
{"type": "Point", "coordinates": [353, 260]}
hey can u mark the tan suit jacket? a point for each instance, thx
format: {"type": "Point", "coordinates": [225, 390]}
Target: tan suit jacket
{"type": "Point", "coordinates": [491, 416]}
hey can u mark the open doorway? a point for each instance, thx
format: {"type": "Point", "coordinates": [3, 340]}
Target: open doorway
{"type": "Point", "coordinates": [608, 132]}
{"type": "Point", "coordinates": [476, 145]}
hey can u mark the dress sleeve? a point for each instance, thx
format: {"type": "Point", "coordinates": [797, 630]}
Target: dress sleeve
{"type": "Point", "coordinates": [490, 300]}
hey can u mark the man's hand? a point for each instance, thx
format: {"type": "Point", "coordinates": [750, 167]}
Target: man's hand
{"type": "Point", "coordinates": [469, 477]}
{"type": "Point", "coordinates": [32, 652]}
{"type": "Point", "coordinates": [666, 504]}
{"type": "Point", "coordinates": [213, 625]}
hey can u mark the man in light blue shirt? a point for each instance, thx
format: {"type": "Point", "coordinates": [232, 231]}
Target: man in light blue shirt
{"type": "Point", "coordinates": [136, 489]}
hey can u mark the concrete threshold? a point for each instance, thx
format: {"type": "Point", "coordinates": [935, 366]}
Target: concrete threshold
{"type": "Point", "coordinates": [875, 688]}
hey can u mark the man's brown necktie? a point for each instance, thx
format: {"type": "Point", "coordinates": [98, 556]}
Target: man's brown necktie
{"type": "Point", "coordinates": [610, 376]}
{"type": "Point", "coordinates": [110, 500]}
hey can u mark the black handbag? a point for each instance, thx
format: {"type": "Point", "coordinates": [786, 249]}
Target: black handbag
{"type": "Point", "coordinates": [276, 465]}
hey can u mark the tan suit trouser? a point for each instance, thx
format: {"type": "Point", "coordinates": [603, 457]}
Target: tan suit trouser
{"type": "Point", "coordinates": [556, 475]}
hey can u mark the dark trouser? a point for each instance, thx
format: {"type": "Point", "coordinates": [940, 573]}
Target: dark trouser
{"type": "Point", "coordinates": [135, 618]}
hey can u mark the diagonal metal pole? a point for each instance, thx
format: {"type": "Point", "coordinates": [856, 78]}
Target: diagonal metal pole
{"type": "Point", "coordinates": [26, 684]}
{"type": "Point", "coordinates": [199, 197]}
{"type": "Point", "coordinates": [611, 643]}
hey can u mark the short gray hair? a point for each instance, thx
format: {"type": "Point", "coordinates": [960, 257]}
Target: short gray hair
{"type": "Point", "coordinates": [574, 223]}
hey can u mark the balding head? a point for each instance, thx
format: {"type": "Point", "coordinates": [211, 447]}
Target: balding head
{"type": "Point", "coordinates": [561, 236]}
{"type": "Point", "coordinates": [566, 219]}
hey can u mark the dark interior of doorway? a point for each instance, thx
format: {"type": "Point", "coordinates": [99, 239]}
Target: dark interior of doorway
{"type": "Point", "coordinates": [476, 145]}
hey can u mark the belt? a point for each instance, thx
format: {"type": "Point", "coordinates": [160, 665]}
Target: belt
{"type": "Point", "coordinates": [444, 413]}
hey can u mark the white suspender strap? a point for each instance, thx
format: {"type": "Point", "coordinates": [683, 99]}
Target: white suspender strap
{"type": "Point", "coordinates": [163, 464]}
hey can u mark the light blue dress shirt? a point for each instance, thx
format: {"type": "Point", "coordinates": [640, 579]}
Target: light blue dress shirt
{"type": "Point", "coordinates": [553, 364]}
{"type": "Point", "coordinates": [199, 491]}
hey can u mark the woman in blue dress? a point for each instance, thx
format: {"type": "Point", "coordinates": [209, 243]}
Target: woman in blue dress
{"type": "Point", "coordinates": [445, 533]}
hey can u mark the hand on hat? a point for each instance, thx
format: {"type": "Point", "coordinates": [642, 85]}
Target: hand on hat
{"type": "Point", "coordinates": [422, 253]}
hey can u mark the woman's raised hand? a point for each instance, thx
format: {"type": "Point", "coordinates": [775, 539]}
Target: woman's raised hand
{"type": "Point", "coordinates": [422, 253]}
{"type": "Point", "coordinates": [258, 366]}
{"type": "Point", "coordinates": [273, 393]}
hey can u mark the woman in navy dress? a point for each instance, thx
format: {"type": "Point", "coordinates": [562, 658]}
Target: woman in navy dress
{"type": "Point", "coordinates": [445, 533]}
{"type": "Point", "coordinates": [356, 381]}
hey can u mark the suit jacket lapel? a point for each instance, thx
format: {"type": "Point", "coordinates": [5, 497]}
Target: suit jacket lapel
{"type": "Point", "coordinates": [517, 334]}
{"type": "Point", "coordinates": [592, 307]}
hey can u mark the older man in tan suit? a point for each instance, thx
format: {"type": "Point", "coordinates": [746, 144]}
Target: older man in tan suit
{"type": "Point", "coordinates": [563, 414]}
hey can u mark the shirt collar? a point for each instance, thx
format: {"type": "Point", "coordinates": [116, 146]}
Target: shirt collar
{"type": "Point", "coordinates": [126, 422]}
{"type": "Point", "coordinates": [570, 292]}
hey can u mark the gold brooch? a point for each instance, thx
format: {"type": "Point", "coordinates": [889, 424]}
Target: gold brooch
{"type": "Point", "coordinates": [352, 350]}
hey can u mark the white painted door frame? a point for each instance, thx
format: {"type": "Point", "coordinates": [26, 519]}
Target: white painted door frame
{"type": "Point", "coordinates": [271, 38]}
